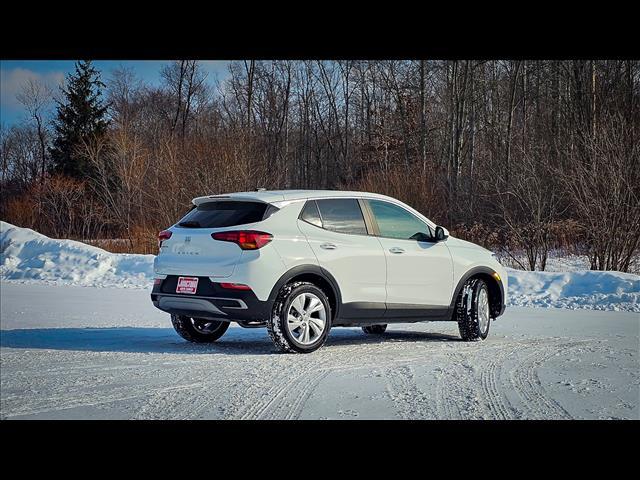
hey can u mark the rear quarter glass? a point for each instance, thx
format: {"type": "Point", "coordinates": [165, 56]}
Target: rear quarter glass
{"type": "Point", "coordinates": [310, 214]}
{"type": "Point", "coordinates": [223, 214]}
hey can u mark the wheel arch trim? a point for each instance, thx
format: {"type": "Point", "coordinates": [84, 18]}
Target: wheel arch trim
{"type": "Point", "coordinates": [309, 269]}
{"type": "Point", "coordinates": [486, 273]}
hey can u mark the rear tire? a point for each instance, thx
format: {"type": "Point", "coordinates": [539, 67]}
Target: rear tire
{"type": "Point", "coordinates": [375, 329]}
{"type": "Point", "coordinates": [293, 331]}
{"type": "Point", "coordinates": [199, 330]}
{"type": "Point", "coordinates": [473, 310]}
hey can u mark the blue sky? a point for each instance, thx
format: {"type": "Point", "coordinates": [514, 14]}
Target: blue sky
{"type": "Point", "coordinates": [15, 72]}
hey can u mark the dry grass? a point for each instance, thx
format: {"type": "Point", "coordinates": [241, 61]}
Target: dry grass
{"type": "Point", "coordinates": [141, 240]}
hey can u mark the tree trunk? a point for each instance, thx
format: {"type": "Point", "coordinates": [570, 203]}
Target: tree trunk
{"type": "Point", "coordinates": [423, 118]}
{"type": "Point", "coordinates": [512, 98]}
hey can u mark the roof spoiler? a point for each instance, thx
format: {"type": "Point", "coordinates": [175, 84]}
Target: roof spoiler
{"type": "Point", "coordinates": [236, 198]}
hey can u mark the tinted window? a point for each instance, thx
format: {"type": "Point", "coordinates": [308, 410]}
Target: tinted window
{"type": "Point", "coordinates": [223, 214]}
{"type": "Point", "coordinates": [395, 222]}
{"type": "Point", "coordinates": [270, 211]}
{"type": "Point", "coordinates": [310, 214]}
{"type": "Point", "coordinates": [342, 215]}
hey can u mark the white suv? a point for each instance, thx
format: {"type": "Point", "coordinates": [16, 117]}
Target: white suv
{"type": "Point", "coordinates": [302, 261]}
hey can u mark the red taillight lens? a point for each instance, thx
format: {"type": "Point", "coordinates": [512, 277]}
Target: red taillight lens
{"type": "Point", "coordinates": [163, 235]}
{"type": "Point", "coordinates": [235, 286]}
{"type": "Point", "coordinates": [245, 239]}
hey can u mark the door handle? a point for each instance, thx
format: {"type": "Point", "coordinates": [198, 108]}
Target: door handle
{"type": "Point", "coordinates": [328, 246]}
{"type": "Point", "coordinates": [396, 250]}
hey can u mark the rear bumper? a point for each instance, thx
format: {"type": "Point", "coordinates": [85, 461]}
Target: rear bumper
{"type": "Point", "coordinates": [210, 301]}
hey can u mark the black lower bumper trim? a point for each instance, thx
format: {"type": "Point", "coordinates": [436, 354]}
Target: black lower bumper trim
{"type": "Point", "coordinates": [210, 301]}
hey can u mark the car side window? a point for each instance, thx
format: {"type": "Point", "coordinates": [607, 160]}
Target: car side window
{"type": "Point", "coordinates": [342, 215]}
{"type": "Point", "coordinates": [396, 222]}
{"type": "Point", "coordinates": [310, 214]}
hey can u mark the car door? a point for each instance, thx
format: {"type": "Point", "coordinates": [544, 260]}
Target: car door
{"type": "Point", "coordinates": [337, 233]}
{"type": "Point", "coordinates": [419, 272]}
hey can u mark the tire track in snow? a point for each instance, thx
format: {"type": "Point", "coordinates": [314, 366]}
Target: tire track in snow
{"type": "Point", "coordinates": [473, 387]}
{"type": "Point", "coordinates": [492, 385]}
{"type": "Point", "coordinates": [256, 405]}
{"type": "Point", "coordinates": [306, 389]}
{"type": "Point", "coordinates": [180, 402]}
{"type": "Point", "coordinates": [283, 384]}
{"type": "Point", "coordinates": [287, 399]}
{"type": "Point", "coordinates": [525, 380]}
{"type": "Point", "coordinates": [489, 380]}
{"type": "Point", "coordinates": [406, 395]}
{"type": "Point", "coordinates": [93, 400]}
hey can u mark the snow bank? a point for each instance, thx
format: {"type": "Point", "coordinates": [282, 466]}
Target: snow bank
{"type": "Point", "coordinates": [28, 256]}
{"type": "Point", "coordinates": [577, 289]}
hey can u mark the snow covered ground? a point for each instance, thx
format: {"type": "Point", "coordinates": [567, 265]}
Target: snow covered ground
{"type": "Point", "coordinates": [74, 344]}
{"type": "Point", "coordinates": [86, 352]}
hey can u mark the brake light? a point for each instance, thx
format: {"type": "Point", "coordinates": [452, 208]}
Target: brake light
{"type": "Point", "coordinates": [245, 239]}
{"type": "Point", "coordinates": [162, 236]}
{"type": "Point", "coordinates": [235, 286]}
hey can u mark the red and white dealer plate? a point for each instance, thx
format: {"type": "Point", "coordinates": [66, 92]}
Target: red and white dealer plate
{"type": "Point", "coordinates": [187, 285]}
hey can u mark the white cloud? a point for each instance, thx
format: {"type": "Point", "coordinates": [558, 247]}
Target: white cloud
{"type": "Point", "coordinates": [11, 81]}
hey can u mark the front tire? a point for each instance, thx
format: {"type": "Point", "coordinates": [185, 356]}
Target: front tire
{"type": "Point", "coordinates": [198, 330]}
{"type": "Point", "coordinates": [301, 318]}
{"type": "Point", "coordinates": [473, 310]}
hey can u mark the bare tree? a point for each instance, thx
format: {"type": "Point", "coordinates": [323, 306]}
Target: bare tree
{"type": "Point", "coordinates": [36, 97]}
{"type": "Point", "coordinates": [606, 193]}
{"type": "Point", "coordinates": [521, 154]}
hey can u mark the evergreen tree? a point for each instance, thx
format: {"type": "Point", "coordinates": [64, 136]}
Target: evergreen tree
{"type": "Point", "coordinates": [81, 116]}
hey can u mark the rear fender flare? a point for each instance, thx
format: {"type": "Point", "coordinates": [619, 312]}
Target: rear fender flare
{"type": "Point", "coordinates": [309, 269]}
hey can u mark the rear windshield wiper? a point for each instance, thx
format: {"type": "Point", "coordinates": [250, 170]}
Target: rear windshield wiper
{"type": "Point", "coordinates": [189, 224]}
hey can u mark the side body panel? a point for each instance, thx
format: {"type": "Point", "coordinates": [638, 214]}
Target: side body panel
{"type": "Point", "coordinates": [355, 261]}
{"type": "Point", "coordinates": [418, 272]}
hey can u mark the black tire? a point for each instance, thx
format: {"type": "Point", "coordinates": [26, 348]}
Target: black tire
{"type": "Point", "coordinates": [467, 310]}
{"type": "Point", "coordinates": [199, 330]}
{"type": "Point", "coordinates": [276, 326]}
{"type": "Point", "coordinates": [375, 329]}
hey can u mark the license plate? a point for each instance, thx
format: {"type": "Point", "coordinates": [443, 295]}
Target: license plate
{"type": "Point", "coordinates": [187, 285]}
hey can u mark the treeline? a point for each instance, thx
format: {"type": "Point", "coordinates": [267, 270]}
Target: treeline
{"type": "Point", "coordinates": [520, 156]}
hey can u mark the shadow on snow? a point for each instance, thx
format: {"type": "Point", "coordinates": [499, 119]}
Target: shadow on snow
{"type": "Point", "coordinates": [236, 341]}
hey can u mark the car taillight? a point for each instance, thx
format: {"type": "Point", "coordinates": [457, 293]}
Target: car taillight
{"type": "Point", "coordinates": [245, 239]}
{"type": "Point", "coordinates": [235, 286]}
{"type": "Point", "coordinates": [163, 235]}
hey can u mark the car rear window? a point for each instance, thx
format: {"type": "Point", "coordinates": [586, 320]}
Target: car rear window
{"type": "Point", "coordinates": [223, 214]}
{"type": "Point", "coordinates": [342, 215]}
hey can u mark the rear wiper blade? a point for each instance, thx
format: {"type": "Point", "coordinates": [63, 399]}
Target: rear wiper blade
{"type": "Point", "coordinates": [189, 224]}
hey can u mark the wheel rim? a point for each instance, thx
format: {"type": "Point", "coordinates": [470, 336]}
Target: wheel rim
{"type": "Point", "coordinates": [483, 310]}
{"type": "Point", "coordinates": [205, 327]}
{"type": "Point", "coordinates": [306, 318]}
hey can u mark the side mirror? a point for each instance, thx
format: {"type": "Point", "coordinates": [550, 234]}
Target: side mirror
{"type": "Point", "coordinates": [441, 234]}
{"type": "Point", "coordinates": [421, 237]}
